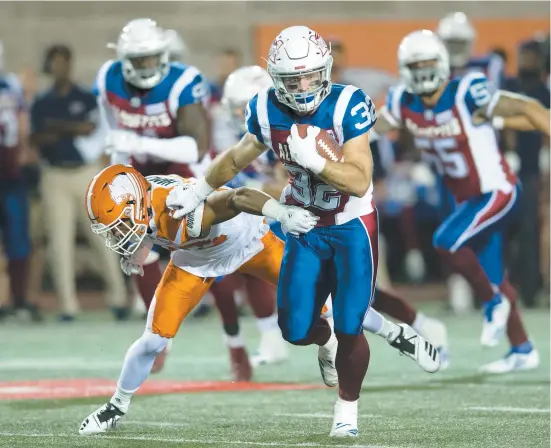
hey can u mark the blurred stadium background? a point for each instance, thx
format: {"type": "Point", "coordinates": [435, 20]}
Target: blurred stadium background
{"type": "Point", "coordinates": [219, 37]}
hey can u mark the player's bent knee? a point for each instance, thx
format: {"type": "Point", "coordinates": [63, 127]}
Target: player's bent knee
{"type": "Point", "coordinates": [292, 336]}
{"type": "Point", "coordinates": [154, 343]}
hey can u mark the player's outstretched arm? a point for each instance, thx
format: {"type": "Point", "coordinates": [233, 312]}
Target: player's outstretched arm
{"type": "Point", "coordinates": [510, 105]}
{"type": "Point", "coordinates": [224, 205]}
{"type": "Point", "coordinates": [224, 168]}
{"type": "Point", "coordinates": [255, 202]}
{"type": "Point", "coordinates": [228, 164]}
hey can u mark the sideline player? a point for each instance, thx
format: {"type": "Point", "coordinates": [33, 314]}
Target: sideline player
{"type": "Point", "coordinates": [214, 240]}
{"type": "Point", "coordinates": [450, 121]}
{"type": "Point", "coordinates": [156, 112]}
{"type": "Point", "coordinates": [266, 174]}
{"type": "Point", "coordinates": [339, 256]}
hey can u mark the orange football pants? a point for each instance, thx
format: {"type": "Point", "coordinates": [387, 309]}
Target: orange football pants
{"type": "Point", "coordinates": [179, 292]}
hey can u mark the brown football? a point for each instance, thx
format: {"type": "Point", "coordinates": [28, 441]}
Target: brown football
{"type": "Point", "coordinates": [326, 145]}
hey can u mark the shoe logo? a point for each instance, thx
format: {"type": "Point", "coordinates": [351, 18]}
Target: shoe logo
{"type": "Point", "coordinates": [405, 345]}
{"type": "Point", "coordinates": [431, 350]}
{"type": "Point", "coordinates": [352, 431]}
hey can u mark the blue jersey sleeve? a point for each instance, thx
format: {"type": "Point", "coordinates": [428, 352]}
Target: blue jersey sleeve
{"type": "Point", "coordinates": [194, 92]}
{"type": "Point", "coordinates": [393, 104]}
{"type": "Point", "coordinates": [251, 119]}
{"type": "Point", "coordinates": [478, 91]}
{"type": "Point", "coordinates": [360, 116]}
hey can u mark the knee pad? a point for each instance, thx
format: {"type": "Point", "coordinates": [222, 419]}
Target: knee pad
{"type": "Point", "coordinates": [153, 343]}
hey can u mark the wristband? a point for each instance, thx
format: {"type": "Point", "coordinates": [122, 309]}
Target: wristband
{"type": "Point", "coordinates": [202, 188]}
{"type": "Point", "coordinates": [272, 209]}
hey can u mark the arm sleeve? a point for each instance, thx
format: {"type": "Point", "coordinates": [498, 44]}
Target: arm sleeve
{"type": "Point", "coordinates": [476, 92]}
{"type": "Point", "coordinates": [360, 116]}
{"type": "Point", "coordinates": [251, 119]}
{"type": "Point", "coordinates": [194, 92]}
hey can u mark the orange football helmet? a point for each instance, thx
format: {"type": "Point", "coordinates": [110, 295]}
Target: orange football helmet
{"type": "Point", "coordinates": [118, 204]}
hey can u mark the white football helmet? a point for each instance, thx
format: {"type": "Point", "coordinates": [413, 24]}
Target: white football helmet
{"type": "Point", "coordinates": [419, 47]}
{"type": "Point", "coordinates": [177, 48]}
{"type": "Point", "coordinates": [143, 49]}
{"type": "Point", "coordinates": [458, 33]}
{"type": "Point", "coordinates": [300, 64]}
{"type": "Point", "coordinates": [240, 87]}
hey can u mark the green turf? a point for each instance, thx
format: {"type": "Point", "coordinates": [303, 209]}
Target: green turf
{"type": "Point", "coordinates": [400, 405]}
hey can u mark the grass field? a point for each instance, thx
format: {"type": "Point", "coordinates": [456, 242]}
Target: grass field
{"type": "Point", "coordinates": [400, 405]}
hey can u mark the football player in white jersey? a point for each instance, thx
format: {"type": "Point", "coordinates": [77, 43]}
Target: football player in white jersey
{"type": "Point", "coordinates": [451, 122]}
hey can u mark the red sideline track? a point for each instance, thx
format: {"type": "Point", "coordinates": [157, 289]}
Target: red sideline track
{"type": "Point", "coordinates": [97, 387]}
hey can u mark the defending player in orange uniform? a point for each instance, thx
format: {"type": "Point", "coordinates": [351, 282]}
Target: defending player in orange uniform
{"type": "Point", "coordinates": [215, 239]}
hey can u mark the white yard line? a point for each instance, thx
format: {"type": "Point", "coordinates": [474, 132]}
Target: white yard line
{"type": "Point", "coordinates": [318, 415]}
{"type": "Point", "coordinates": [196, 441]}
{"type": "Point", "coordinates": [157, 424]}
{"type": "Point", "coordinates": [508, 409]}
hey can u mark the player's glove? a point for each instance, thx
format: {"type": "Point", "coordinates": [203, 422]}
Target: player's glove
{"type": "Point", "coordinates": [303, 150]}
{"type": "Point", "coordinates": [185, 198]}
{"type": "Point", "coordinates": [130, 267]}
{"type": "Point", "coordinates": [295, 220]}
{"type": "Point", "coordinates": [121, 141]}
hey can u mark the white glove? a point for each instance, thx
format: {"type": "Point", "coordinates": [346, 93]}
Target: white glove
{"type": "Point", "coordinates": [130, 267]}
{"type": "Point", "coordinates": [294, 220]}
{"type": "Point", "coordinates": [119, 140]}
{"type": "Point", "coordinates": [185, 198]}
{"type": "Point", "coordinates": [303, 150]}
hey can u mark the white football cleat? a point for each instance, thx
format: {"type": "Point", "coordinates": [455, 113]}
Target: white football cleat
{"type": "Point", "coordinates": [345, 419]}
{"type": "Point", "coordinates": [436, 333]}
{"type": "Point", "coordinates": [326, 360]}
{"type": "Point", "coordinates": [272, 349]}
{"type": "Point", "coordinates": [513, 362]}
{"type": "Point", "coordinates": [411, 344]}
{"type": "Point", "coordinates": [101, 420]}
{"type": "Point", "coordinates": [496, 314]}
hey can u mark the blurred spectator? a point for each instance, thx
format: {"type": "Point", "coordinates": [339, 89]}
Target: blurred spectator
{"type": "Point", "coordinates": [229, 60]}
{"type": "Point", "coordinates": [69, 136]}
{"type": "Point", "coordinates": [529, 81]}
{"type": "Point", "coordinates": [14, 204]}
